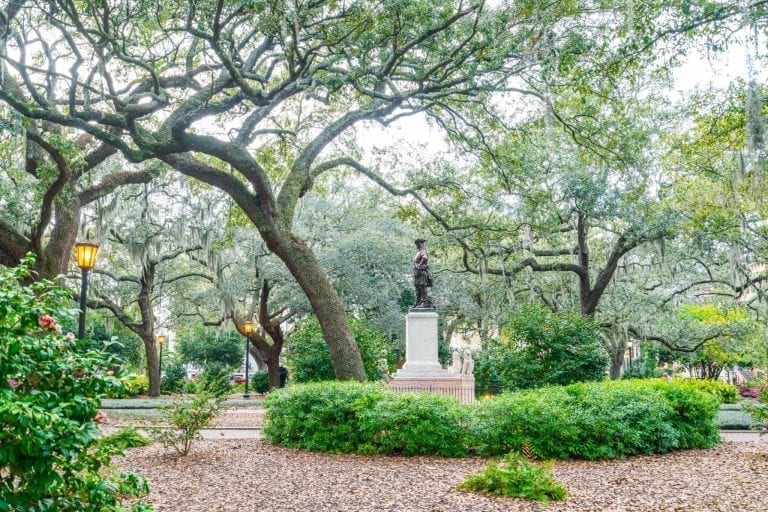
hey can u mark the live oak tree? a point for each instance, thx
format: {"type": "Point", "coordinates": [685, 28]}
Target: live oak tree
{"type": "Point", "coordinates": [148, 247]}
{"type": "Point", "coordinates": [212, 88]}
{"type": "Point", "coordinates": [47, 176]}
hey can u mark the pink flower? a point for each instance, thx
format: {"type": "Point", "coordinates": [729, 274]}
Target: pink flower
{"type": "Point", "coordinates": [100, 417]}
{"type": "Point", "coordinates": [70, 336]}
{"type": "Point", "coordinates": [13, 383]}
{"type": "Point", "coordinates": [46, 322]}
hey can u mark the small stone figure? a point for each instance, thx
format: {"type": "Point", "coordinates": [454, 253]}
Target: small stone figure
{"type": "Point", "coordinates": [383, 366]}
{"type": "Point", "coordinates": [456, 361]}
{"type": "Point", "coordinates": [422, 277]}
{"type": "Point", "coordinates": [469, 363]}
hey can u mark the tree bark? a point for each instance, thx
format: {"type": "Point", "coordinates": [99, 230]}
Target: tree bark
{"type": "Point", "coordinates": [617, 361]}
{"type": "Point", "coordinates": [326, 303]}
{"type": "Point", "coordinates": [153, 365]}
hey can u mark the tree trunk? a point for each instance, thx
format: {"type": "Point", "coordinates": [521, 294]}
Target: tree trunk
{"type": "Point", "coordinates": [153, 365]}
{"type": "Point", "coordinates": [326, 304]}
{"type": "Point", "coordinates": [256, 354]}
{"type": "Point", "coordinates": [617, 361]}
{"type": "Point", "coordinates": [273, 367]}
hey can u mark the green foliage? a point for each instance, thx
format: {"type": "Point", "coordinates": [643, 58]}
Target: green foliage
{"type": "Point", "coordinates": [50, 456]}
{"type": "Point", "coordinates": [731, 335]}
{"type": "Point", "coordinates": [413, 424]}
{"type": "Point", "coordinates": [725, 393]}
{"type": "Point", "coordinates": [759, 411]}
{"type": "Point", "coordinates": [215, 380]}
{"type": "Point", "coordinates": [642, 368]}
{"type": "Point", "coordinates": [598, 420]}
{"type": "Point", "coordinates": [186, 419]}
{"type": "Point", "coordinates": [539, 347]}
{"type": "Point", "coordinates": [320, 416]}
{"type": "Point", "coordinates": [516, 477]}
{"type": "Point", "coordinates": [134, 385]}
{"type": "Point", "coordinates": [174, 377]}
{"type": "Point", "coordinates": [119, 340]}
{"type": "Point", "coordinates": [593, 421]}
{"type": "Point", "coordinates": [260, 382]}
{"type": "Point", "coordinates": [203, 345]}
{"type": "Point", "coordinates": [308, 358]}
{"type": "Point", "coordinates": [125, 438]}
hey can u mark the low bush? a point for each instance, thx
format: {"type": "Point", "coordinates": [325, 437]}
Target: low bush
{"type": "Point", "coordinates": [215, 380]}
{"type": "Point", "coordinates": [319, 416]}
{"type": "Point", "coordinates": [132, 385]}
{"type": "Point", "coordinates": [174, 377]}
{"type": "Point", "coordinates": [413, 424]}
{"type": "Point", "coordinates": [124, 438]}
{"type": "Point", "coordinates": [694, 415]}
{"type": "Point", "coordinates": [185, 421]}
{"type": "Point", "coordinates": [724, 392]}
{"type": "Point", "coordinates": [586, 421]}
{"type": "Point", "coordinates": [517, 477]}
{"type": "Point", "coordinates": [260, 381]}
{"type": "Point", "coordinates": [749, 392]}
{"type": "Point", "coordinates": [598, 420]}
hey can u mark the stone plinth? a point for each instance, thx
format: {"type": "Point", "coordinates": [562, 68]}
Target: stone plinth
{"type": "Point", "coordinates": [422, 371]}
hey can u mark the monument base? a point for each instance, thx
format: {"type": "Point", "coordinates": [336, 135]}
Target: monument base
{"type": "Point", "coordinates": [422, 372]}
{"type": "Point", "coordinates": [439, 382]}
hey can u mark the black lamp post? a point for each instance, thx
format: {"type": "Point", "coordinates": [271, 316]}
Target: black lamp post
{"type": "Point", "coordinates": [247, 330]}
{"type": "Point", "coordinates": [85, 256]}
{"type": "Point", "coordinates": [161, 341]}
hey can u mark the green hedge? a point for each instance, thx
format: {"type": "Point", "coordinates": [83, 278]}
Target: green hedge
{"type": "Point", "coordinates": [592, 421]}
{"type": "Point", "coordinates": [595, 421]}
{"type": "Point", "coordinates": [724, 392]}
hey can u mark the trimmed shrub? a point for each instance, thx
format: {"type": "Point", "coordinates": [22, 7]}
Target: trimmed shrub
{"type": "Point", "coordinates": [507, 422]}
{"type": "Point", "coordinates": [592, 421]}
{"type": "Point", "coordinates": [413, 424]}
{"type": "Point", "coordinates": [516, 477]}
{"type": "Point", "coordinates": [260, 381]}
{"type": "Point", "coordinates": [598, 420]}
{"type": "Point", "coordinates": [725, 393]}
{"type": "Point", "coordinates": [694, 413]}
{"type": "Point", "coordinates": [132, 385]}
{"type": "Point", "coordinates": [319, 416]}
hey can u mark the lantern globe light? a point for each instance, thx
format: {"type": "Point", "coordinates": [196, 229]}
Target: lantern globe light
{"type": "Point", "coordinates": [162, 339]}
{"type": "Point", "coordinates": [248, 327]}
{"type": "Point", "coordinates": [85, 254]}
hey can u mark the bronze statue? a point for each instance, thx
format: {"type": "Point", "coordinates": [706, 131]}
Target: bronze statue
{"type": "Point", "coordinates": [422, 277]}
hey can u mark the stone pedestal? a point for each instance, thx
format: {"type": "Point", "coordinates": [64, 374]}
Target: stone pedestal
{"type": "Point", "coordinates": [422, 371]}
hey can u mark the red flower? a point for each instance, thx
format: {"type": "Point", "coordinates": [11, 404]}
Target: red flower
{"type": "Point", "coordinates": [46, 322]}
{"type": "Point", "coordinates": [100, 416]}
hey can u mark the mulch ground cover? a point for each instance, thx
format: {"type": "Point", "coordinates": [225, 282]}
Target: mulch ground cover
{"type": "Point", "coordinates": [246, 475]}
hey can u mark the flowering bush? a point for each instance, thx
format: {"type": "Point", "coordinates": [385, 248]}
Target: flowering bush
{"type": "Point", "coordinates": [50, 385]}
{"type": "Point", "coordinates": [748, 392]}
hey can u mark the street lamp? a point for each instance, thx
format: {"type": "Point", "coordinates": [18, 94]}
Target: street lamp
{"type": "Point", "coordinates": [85, 257]}
{"type": "Point", "coordinates": [161, 341]}
{"type": "Point", "coordinates": [247, 330]}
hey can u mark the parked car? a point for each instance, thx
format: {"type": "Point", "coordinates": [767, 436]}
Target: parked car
{"type": "Point", "coordinates": [237, 378]}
